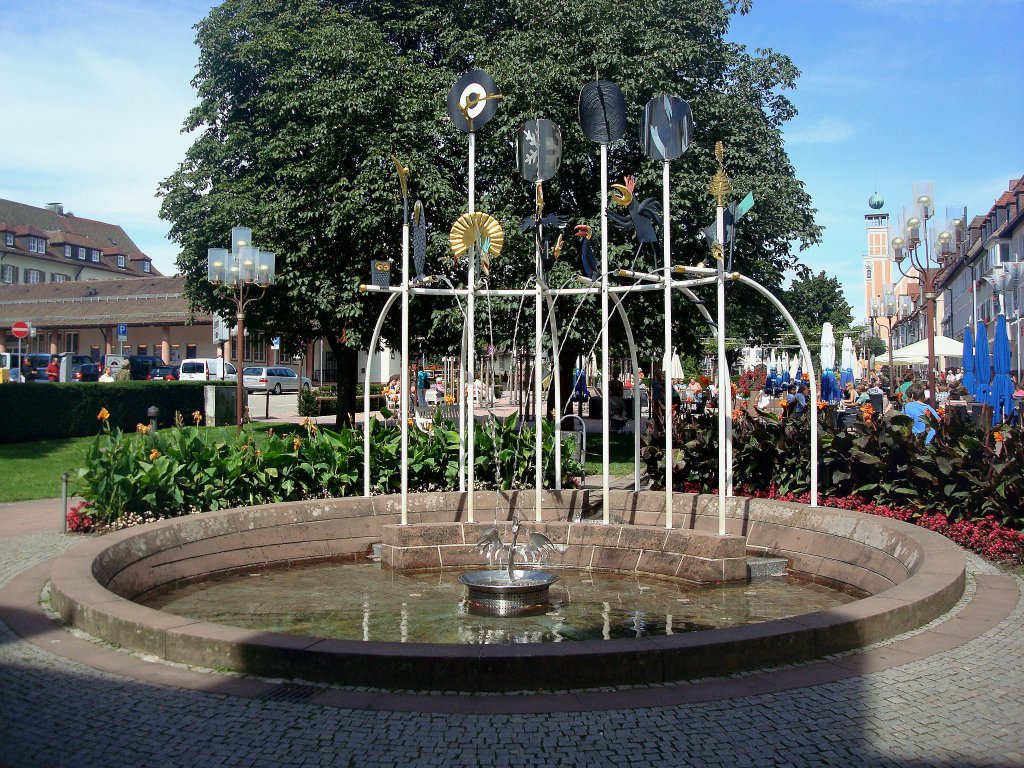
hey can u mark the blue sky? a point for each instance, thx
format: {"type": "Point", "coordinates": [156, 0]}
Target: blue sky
{"type": "Point", "coordinates": [891, 92]}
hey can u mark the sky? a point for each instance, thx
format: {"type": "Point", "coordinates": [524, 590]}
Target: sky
{"type": "Point", "coordinates": [891, 92]}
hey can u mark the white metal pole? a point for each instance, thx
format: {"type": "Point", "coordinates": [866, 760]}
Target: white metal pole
{"type": "Point", "coordinates": [366, 391]}
{"type": "Point", "coordinates": [405, 372]}
{"type": "Point", "coordinates": [605, 353]}
{"type": "Point", "coordinates": [470, 356]}
{"type": "Point", "coordinates": [724, 470]}
{"type": "Point", "coordinates": [538, 383]}
{"type": "Point", "coordinates": [555, 379]}
{"type": "Point", "coordinates": [667, 364]}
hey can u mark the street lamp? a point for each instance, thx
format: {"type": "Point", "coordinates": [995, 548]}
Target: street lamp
{"type": "Point", "coordinates": [887, 307]}
{"type": "Point", "coordinates": [914, 224]}
{"type": "Point", "coordinates": [242, 271]}
{"type": "Point", "coordinates": [1006, 279]}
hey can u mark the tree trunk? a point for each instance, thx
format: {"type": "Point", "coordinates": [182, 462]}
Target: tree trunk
{"type": "Point", "coordinates": [348, 376]}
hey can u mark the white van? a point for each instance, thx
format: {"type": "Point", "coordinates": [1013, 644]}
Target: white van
{"type": "Point", "coordinates": [207, 369]}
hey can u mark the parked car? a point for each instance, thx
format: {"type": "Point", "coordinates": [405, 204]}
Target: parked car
{"type": "Point", "coordinates": [163, 373]}
{"type": "Point", "coordinates": [86, 372]}
{"type": "Point", "coordinates": [36, 369]}
{"type": "Point", "coordinates": [207, 369]}
{"type": "Point", "coordinates": [276, 379]}
{"type": "Point", "coordinates": [138, 365]}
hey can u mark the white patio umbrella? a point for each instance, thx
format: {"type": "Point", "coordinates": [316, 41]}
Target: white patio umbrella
{"type": "Point", "coordinates": [830, 391]}
{"type": "Point", "coordinates": [849, 362]}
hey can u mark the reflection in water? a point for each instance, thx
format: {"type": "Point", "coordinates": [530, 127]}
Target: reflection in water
{"type": "Point", "coordinates": [373, 603]}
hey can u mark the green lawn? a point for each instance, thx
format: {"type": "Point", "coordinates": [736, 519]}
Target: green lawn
{"type": "Point", "coordinates": [32, 470]}
{"type": "Point", "coordinates": [621, 454]}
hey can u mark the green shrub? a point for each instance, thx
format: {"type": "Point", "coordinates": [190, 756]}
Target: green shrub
{"type": "Point", "coordinates": [44, 411]}
{"type": "Point", "coordinates": [967, 471]}
{"type": "Point", "coordinates": [187, 469]}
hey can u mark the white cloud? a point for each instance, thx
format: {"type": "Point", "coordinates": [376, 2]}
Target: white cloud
{"type": "Point", "coordinates": [821, 130]}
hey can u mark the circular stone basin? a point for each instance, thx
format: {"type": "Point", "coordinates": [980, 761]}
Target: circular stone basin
{"type": "Point", "coordinates": [912, 576]}
{"type": "Point", "coordinates": [372, 603]}
{"type": "Point", "coordinates": [492, 593]}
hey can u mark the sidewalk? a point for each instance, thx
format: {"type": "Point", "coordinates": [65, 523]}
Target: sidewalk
{"type": "Point", "coordinates": [951, 694]}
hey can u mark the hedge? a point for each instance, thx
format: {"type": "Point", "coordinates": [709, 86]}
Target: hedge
{"type": "Point", "coordinates": [45, 411]}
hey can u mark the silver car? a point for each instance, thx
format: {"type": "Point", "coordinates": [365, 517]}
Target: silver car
{"type": "Point", "coordinates": [276, 379]}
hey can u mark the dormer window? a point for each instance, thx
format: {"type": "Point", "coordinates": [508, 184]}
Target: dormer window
{"type": "Point", "coordinates": [8, 238]}
{"type": "Point", "coordinates": [95, 255]}
{"type": "Point", "coordinates": [145, 266]}
{"type": "Point", "coordinates": [120, 260]}
{"type": "Point", "coordinates": [68, 253]}
{"type": "Point", "coordinates": [81, 253]}
{"type": "Point", "coordinates": [37, 245]}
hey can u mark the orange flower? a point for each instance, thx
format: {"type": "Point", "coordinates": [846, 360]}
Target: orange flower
{"type": "Point", "coordinates": [822, 405]}
{"type": "Point", "coordinates": [197, 417]}
{"type": "Point", "coordinates": [103, 415]}
{"type": "Point", "coordinates": [153, 454]}
{"type": "Point", "coordinates": [243, 448]}
{"type": "Point", "coordinates": [296, 443]}
{"type": "Point", "coordinates": [998, 436]}
{"type": "Point", "coordinates": [142, 429]}
{"type": "Point", "coordinates": [737, 414]}
{"type": "Point", "coordinates": [782, 403]}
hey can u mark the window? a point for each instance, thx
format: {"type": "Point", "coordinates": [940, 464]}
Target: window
{"type": "Point", "coordinates": [33, 276]}
{"type": "Point", "coordinates": [71, 342]}
{"type": "Point", "coordinates": [57, 277]}
{"type": "Point", "coordinates": [9, 274]}
{"type": "Point", "coordinates": [8, 238]}
{"type": "Point", "coordinates": [95, 255]}
{"type": "Point", "coordinates": [94, 353]}
{"type": "Point", "coordinates": [120, 261]}
{"type": "Point", "coordinates": [143, 349]}
{"type": "Point", "coordinates": [191, 350]}
{"type": "Point", "coordinates": [37, 244]}
{"type": "Point", "coordinates": [145, 266]}
{"type": "Point", "coordinates": [867, 272]}
{"type": "Point", "coordinates": [68, 253]}
{"type": "Point", "coordinates": [255, 347]}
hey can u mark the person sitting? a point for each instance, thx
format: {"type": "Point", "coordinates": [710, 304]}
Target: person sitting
{"type": "Point", "coordinates": [796, 402]}
{"type": "Point", "coordinates": [916, 408]}
{"type": "Point", "coordinates": [850, 398]}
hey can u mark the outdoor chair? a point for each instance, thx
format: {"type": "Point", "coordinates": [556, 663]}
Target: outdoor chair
{"type": "Point", "coordinates": [877, 402]}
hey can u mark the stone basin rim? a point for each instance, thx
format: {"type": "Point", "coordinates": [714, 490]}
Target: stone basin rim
{"type": "Point", "coordinates": [934, 581]}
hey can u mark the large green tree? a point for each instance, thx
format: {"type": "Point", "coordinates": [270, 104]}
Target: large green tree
{"type": "Point", "coordinates": [302, 103]}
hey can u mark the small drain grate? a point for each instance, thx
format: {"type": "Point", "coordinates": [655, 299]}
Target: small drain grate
{"type": "Point", "coordinates": [290, 692]}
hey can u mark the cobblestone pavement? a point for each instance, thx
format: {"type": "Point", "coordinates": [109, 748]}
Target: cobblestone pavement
{"type": "Point", "coordinates": [959, 708]}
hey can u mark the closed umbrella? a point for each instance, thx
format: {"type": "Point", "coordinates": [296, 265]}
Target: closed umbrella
{"type": "Point", "coordinates": [968, 381]}
{"type": "Point", "coordinates": [982, 368]}
{"type": "Point", "coordinates": [849, 360]}
{"type": "Point", "coordinates": [1002, 386]}
{"type": "Point", "coordinates": [830, 391]}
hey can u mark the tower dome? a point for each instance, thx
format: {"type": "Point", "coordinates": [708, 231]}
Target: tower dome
{"type": "Point", "coordinates": [876, 201]}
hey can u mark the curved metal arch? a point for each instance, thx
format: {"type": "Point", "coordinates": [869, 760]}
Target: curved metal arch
{"type": "Point", "coordinates": [366, 390]}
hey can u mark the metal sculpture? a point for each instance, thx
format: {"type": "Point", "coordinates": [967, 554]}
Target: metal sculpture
{"type": "Point", "coordinates": [602, 112]}
{"type": "Point", "coordinates": [419, 241]}
{"type": "Point", "coordinates": [473, 100]}
{"type": "Point", "coordinates": [666, 128]}
{"type": "Point", "coordinates": [643, 218]}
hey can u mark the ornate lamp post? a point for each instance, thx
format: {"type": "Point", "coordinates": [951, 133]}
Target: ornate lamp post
{"type": "Point", "coordinates": [889, 308]}
{"type": "Point", "coordinates": [1006, 279]}
{"type": "Point", "coordinates": [245, 271]}
{"type": "Point", "coordinates": [908, 255]}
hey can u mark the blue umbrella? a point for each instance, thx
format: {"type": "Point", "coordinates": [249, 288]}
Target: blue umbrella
{"type": "Point", "coordinates": [1002, 386]}
{"type": "Point", "coordinates": [982, 369]}
{"type": "Point", "coordinates": [830, 391]}
{"type": "Point", "coordinates": [968, 381]}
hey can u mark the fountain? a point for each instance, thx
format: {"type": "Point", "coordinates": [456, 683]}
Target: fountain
{"type": "Point", "coordinates": [510, 592]}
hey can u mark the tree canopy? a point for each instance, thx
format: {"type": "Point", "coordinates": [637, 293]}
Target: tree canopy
{"type": "Point", "coordinates": [303, 102]}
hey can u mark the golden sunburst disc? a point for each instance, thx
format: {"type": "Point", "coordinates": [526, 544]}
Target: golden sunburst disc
{"type": "Point", "coordinates": [472, 228]}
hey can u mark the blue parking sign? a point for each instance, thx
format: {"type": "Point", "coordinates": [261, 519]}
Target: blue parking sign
{"type": "Point", "coordinates": [122, 331]}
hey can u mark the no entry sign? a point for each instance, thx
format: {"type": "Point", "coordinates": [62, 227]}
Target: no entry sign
{"type": "Point", "coordinates": [20, 330]}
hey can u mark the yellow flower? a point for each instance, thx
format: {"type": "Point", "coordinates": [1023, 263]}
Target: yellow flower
{"type": "Point", "coordinates": [142, 429]}
{"type": "Point", "coordinates": [412, 422]}
{"type": "Point", "coordinates": [244, 448]}
{"type": "Point", "coordinates": [998, 436]}
{"type": "Point", "coordinates": [449, 400]}
{"type": "Point", "coordinates": [296, 443]}
{"type": "Point", "coordinates": [737, 414]}
{"type": "Point", "coordinates": [197, 417]}
{"type": "Point", "coordinates": [103, 415]}
{"type": "Point", "coordinates": [153, 454]}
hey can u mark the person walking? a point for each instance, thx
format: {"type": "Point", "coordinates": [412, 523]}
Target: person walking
{"type": "Point", "coordinates": [107, 375]}
{"type": "Point", "coordinates": [422, 382]}
{"type": "Point", "coordinates": [53, 369]}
